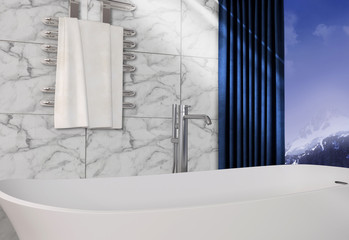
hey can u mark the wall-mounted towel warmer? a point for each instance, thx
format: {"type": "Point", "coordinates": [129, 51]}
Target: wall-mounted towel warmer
{"type": "Point", "coordinates": [74, 6]}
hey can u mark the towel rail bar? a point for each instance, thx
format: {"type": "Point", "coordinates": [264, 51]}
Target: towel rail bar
{"type": "Point", "coordinates": [126, 93]}
{"type": "Point", "coordinates": [53, 35]}
{"type": "Point", "coordinates": [49, 48]}
{"type": "Point", "coordinates": [50, 21]}
{"type": "Point", "coordinates": [119, 5]}
{"type": "Point", "coordinates": [129, 44]}
{"type": "Point", "coordinates": [51, 103]}
{"type": "Point", "coordinates": [53, 49]}
{"type": "Point", "coordinates": [53, 62]}
{"type": "Point", "coordinates": [129, 56]}
{"type": "Point", "coordinates": [53, 22]}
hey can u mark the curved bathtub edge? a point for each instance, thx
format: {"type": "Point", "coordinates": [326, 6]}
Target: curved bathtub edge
{"type": "Point", "coordinates": [6, 197]}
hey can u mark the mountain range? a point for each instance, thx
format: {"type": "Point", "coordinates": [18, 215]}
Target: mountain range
{"type": "Point", "coordinates": [324, 141]}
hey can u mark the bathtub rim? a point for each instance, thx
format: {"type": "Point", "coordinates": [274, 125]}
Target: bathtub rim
{"type": "Point", "coordinates": [18, 201]}
{"type": "Point", "coordinates": [23, 203]}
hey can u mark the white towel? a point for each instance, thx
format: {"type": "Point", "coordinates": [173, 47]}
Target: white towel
{"type": "Point", "coordinates": [95, 38]}
{"type": "Point", "coordinates": [117, 37]}
{"type": "Point", "coordinates": [89, 79]}
{"type": "Point", "coordinates": [70, 96]}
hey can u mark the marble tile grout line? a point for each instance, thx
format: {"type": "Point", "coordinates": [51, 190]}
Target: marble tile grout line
{"type": "Point", "coordinates": [154, 53]}
{"type": "Point", "coordinates": [47, 114]}
{"type": "Point", "coordinates": [19, 41]}
{"type": "Point", "coordinates": [180, 51]}
{"type": "Point", "coordinates": [85, 4]}
{"type": "Point", "coordinates": [33, 114]}
{"type": "Point", "coordinates": [154, 117]}
{"type": "Point", "coordinates": [192, 56]}
{"type": "Point", "coordinates": [175, 55]}
{"type": "Point", "coordinates": [126, 117]}
{"type": "Point", "coordinates": [86, 152]}
{"type": "Point", "coordinates": [132, 51]}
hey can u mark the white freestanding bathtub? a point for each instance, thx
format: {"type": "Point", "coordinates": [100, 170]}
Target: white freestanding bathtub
{"type": "Point", "coordinates": [263, 203]}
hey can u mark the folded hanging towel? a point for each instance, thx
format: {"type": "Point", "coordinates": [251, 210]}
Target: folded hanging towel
{"type": "Point", "coordinates": [89, 79]}
{"type": "Point", "coordinates": [95, 37]}
{"type": "Point", "coordinates": [70, 97]}
{"type": "Point", "coordinates": [116, 36]}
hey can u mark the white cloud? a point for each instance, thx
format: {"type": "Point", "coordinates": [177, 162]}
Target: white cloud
{"type": "Point", "coordinates": [291, 39]}
{"type": "Point", "coordinates": [323, 31]}
{"type": "Point", "coordinates": [290, 31]}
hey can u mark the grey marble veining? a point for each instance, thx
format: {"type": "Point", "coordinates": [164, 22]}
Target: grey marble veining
{"type": "Point", "coordinates": [142, 148]}
{"type": "Point", "coordinates": [93, 10]}
{"type": "Point", "coordinates": [20, 20]}
{"type": "Point", "coordinates": [203, 146]}
{"type": "Point", "coordinates": [31, 148]}
{"type": "Point", "coordinates": [156, 83]}
{"type": "Point", "coordinates": [200, 85]}
{"type": "Point", "coordinates": [157, 23]}
{"type": "Point", "coordinates": [22, 75]}
{"type": "Point", "coordinates": [200, 28]}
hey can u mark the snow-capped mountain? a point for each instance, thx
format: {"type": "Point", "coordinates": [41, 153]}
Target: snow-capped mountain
{"type": "Point", "coordinates": [325, 138]}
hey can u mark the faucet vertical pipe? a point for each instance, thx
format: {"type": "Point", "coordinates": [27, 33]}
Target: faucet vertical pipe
{"type": "Point", "coordinates": [182, 165]}
{"type": "Point", "coordinates": [175, 136]}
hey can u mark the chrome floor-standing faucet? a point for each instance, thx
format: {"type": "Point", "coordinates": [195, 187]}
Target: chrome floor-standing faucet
{"type": "Point", "coordinates": [179, 139]}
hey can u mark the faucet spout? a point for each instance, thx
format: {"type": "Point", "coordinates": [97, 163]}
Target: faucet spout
{"type": "Point", "coordinates": [199, 116]}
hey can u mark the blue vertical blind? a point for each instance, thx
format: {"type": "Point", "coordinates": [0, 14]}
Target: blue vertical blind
{"type": "Point", "coordinates": [251, 83]}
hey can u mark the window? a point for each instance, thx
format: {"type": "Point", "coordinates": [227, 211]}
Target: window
{"type": "Point", "coordinates": [317, 82]}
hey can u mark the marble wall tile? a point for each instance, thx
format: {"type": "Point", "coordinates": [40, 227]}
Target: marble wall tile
{"type": "Point", "coordinates": [142, 148]}
{"type": "Point", "coordinates": [6, 230]}
{"type": "Point", "coordinates": [200, 28]}
{"type": "Point", "coordinates": [20, 20]}
{"type": "Point", "coordinates": [203, 146]}
{"type": "Point", "coordinates": [199, 87]}
{"type": "Point", "coordinates": [93, 10]}
{"type": "Point", "coordinates": [157, 85]}
{"type": "Point", "coordinates": [31, 148]}
{"type": "Point", "coordinates": [157, 23]}
{"type": "Point", "coordinates": [22, 76]}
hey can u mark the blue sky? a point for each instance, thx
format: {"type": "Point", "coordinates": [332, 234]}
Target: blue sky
{"type": "Point", "coordinates": [317, 60]}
